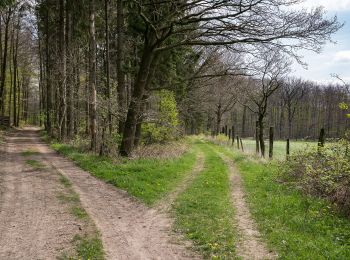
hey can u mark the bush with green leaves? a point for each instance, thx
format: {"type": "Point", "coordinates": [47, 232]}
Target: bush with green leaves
{"type": "Point", "coordinates": [165, 126]}
{"type": "Point", "coordinates": [323, 172]}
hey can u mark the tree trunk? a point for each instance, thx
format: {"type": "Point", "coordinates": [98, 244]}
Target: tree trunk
{"type": "Point", "coordinates": [134, 110]}
{"type": "Point", "coordinates": [18, 99]}
{"type": "Point", "coordinates": [289, 122]}
{"type": "Point", "coordinates": [218, 119]}
{"type": "Point", "coordinates": [4, 61]}
{"type": "Point", "coordinates": [233, 134]}
{"type": "Point", "coordinates": [69, 76]}
{"type": "Point", "coordinates": [108, 88]}
{"type": "Point", "coordinates": [48, 75]}
{"type": "Point", "coordinates": [271, 142]}
{"type": "Point", "coordinates": [76, 93]}
{"type": "Point", "coordinates": [120, 62]}
{"type": "Point", "coordinates": [244, 119]}
{"type": "Point", "coordinates": [92, 78]}
{"type": "Point", "coordinates": [62, 74]}
{"type": "Point", "coordinates": [15, 72]}
{"type": "Point", "coordinates": [261, 135]}
{"type": "Point", "coordinates": [281, 123]}
{"type": "Point", "coordinates": [257, 146]}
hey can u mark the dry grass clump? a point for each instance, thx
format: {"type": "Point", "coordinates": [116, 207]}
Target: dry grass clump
{"type": "Point", "coordinates": [160, 151]}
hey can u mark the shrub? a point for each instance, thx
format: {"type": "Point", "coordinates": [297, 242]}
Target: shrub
{"type": "Point", "coordinates": [164, 127]}
{"type": "Point", "coordinates": [322, 172]}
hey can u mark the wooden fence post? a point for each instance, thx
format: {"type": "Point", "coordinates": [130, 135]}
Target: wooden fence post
{"type": "Point", "coordinates": [321, 139]}
{"type": "Point", "coordinates": [242, 145]}
{"type": "Point", "coordinates": [237, 142]}
{"type": "Point", "coordinates": [257, 137]}
{"type": "Point", "coordinates": [271, 143]}
{"type": "Point", "coordinates": [288, 147]}
{"type": "Point", "coordinates": [233, 134]}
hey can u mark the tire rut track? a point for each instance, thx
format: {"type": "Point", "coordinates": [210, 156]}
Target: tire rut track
{"type": "Point", "coordinates": [33, 222]}
{"type": "Point", "coordinates": [250, 246]}
{"type": "Point", "coordinates": [129, 229]}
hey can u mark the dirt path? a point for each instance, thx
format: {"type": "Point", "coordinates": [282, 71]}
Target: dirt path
{"type": "Point", "coordinates": [33, 222]}
{"type": "Point", "coordinates": [129, 230]}
{"type": "Point", "coordinates": [165, 204]}
{"type": "Point", "coordinates": [250, 245]}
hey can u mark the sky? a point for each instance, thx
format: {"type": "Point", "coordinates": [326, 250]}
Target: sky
{"type": "Point", "coordinates": [335, 58]}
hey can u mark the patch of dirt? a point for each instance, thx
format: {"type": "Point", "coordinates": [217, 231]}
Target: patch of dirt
{"type": "Point", "coordinates": [250, 245]}
{"type": "Point", "coordinates": [129, 229]}
{"type": "Point", "coordinates": [33, 222]}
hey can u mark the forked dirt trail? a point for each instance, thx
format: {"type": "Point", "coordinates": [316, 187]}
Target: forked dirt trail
{"type": "Point", "coordinates": [129, 230]}
{"type": "Point", "coordinates": [34, 224]}
{"type": "Point", "coordinates": [250, 246]}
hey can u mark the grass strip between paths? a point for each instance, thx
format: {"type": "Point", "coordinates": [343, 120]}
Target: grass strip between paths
{"type": "Point", "coordinates": [294, 225]}
{"type": "Point", "coordinates": [204, 212]}
{"type": "Point", "coordinates": [147, 179]}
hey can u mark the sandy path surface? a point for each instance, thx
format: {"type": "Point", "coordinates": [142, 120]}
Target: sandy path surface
{"type": "Point", "coordinates": [34, 224]}
{"type": "Point", "coordinates": [129, 229]}
{"type": "Point", "coordinates": [250, 245]}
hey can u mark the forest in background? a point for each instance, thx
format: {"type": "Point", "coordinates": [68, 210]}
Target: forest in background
{"type": "Point", "coordinates": [123, 73]}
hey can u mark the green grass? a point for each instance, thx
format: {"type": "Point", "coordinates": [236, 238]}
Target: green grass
{"type": "Point", "coordinates": [79, 212]}
{"type": "Point", "coordinates": [70, 197]}
{"type": "Point", "coordinates": [65, 181]}
{"type": "Point", "coordinates": [89, 248]}
{"type": "Point", "coordinates": [204, 212]}
{"type": "Point", "coordinates": [86, 248]}
{"type": "Point", "coordinates": [29, 152]}
{"type": "Point", "coordinates": [89, 245]}
{"type": "Point", "coordinates": [294, 225]}
{"type": "Point", "coordinates": [279, 147]}
{"type": "Point", "coordinates": [36, 165]}
{"type": "Point", "coordinates": [148, 180]}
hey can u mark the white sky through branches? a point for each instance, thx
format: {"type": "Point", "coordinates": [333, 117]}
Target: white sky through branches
{"type": "Point", "coordinates": [335, 58]}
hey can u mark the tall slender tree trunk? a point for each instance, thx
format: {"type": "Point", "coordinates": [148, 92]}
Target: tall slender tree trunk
{"type": "Point", "coordinates": [289, 122]}
{"type": "Point", "coordinates": [244, 119]}
{"type": "Point", "coordinates": [120, 62]}
{"type": "Point", "coordinates": [92, 78]}
{"type": "Point", "coordinates": [0, 44]}
{"type": "Point", "coordinates": [76, 93]}
{"type": "Point", "coordinates": [48, 124]}
{"type": "Point", "coordinates": [69, 75]}
{"type": "Point", "coordinates": [218, 119]}
{"type": "Point", "coordinates": [18, 99]}
{"type": "Point", "coordinates": [41, 89]}
{"type": "Point", "coordinates": [62, 69]}
{"type": "Point", "coordinates": [4, 61]}
{"type": "Point", "coordinates": [15, 72]}
{"type": "Point", "coordinates": [261, 135]}
{"type": "Point", "coordinates": [281, 123]}
{"type": "Point", "coordinates": [108, 87]}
